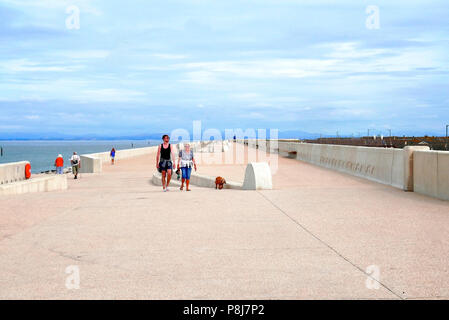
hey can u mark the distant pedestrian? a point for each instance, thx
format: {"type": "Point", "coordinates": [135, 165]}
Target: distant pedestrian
{"type": "Point", "coordinates": [112, 154]}
{"type": "Point", "coordinates": [187, 162]}
{"type": "Point", "coordinates": [164, 161]}
{"type": "Point", "coordinates": [75, 160]}
{"type": "Point", "coordinates": [59, 164]}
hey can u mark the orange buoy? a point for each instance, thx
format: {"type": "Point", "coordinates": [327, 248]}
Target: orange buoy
{"type": "Point", "coordinates": [27, 171]}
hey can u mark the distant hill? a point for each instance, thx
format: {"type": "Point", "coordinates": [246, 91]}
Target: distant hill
{"type": "Point", "coordinates": [54, 136]}
{"type": "Point", "coordinates": [282, 134]}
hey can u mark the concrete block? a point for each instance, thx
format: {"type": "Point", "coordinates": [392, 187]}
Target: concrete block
{"type": "Point", "coordinates": [379, 165]}
{"type": "Point", "coordinates": [443, 175]}
{"type": "Point", "coordinates": [425, 172]}
{"type": "Point", "coordinates": [408, 165]}
{"type": "Point", "coordinates": [257, 176]}
{"type": "Point", "coordinates": [90, 164]}
{"type": "Point", "coordinates": [397, 170]}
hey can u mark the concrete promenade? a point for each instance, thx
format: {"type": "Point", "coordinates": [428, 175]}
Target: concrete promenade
{"type": "Point", "coordinates": [312, 236]}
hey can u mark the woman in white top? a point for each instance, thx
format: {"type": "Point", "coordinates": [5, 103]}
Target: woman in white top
{"type": "Point", "coordinates": [186, 161]}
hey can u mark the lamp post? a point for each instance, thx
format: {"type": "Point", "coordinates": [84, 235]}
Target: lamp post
{"type": "Point", "coordinates": [369, 131]}
{"type": "Point", "coordinates": [391, 139]}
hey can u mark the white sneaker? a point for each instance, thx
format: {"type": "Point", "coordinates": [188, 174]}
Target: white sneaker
{"type": "Point", "coordinates": [167, 189]}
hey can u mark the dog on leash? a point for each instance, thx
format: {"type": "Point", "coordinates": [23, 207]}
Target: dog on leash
{"type": "Point", "coordinates": [219, 182]}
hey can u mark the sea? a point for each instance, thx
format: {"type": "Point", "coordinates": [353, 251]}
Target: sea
{"type": "Point", "coordinates": [42, 154]}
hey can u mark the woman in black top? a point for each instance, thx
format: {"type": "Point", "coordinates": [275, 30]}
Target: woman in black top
{"type": "Point", "coordinates": [164, 161]}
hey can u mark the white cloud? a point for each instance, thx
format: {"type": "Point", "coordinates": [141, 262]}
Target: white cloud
{"type": "Point", "coordinates": [11, 127]}
{"type": "Point", "coordinates": [84, 54]}
{"type": "Point", "coordinates": [340, 60]}
{"type": "Point", "coordinates": [111, 95]}
{"type": "Point", "coordinates": [32, 117]}
{"type": "Point", "coordinates": [25, 65]}
{"type": "Point", "coordinates": [246, 96]}
{"type": "Point", "coordinates": [169, 56]}
{"type": "Point", "coordinates": [204, 72]}
{"type": "Point", "coordinates": [254, 115]}
{"type": "Point", "coordinates": [350, 50]}
{"type": "Point", "coordinates": [84, 5]}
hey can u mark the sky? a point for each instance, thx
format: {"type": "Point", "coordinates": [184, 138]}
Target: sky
{"type": "Point", "coordinates": [139, 67]}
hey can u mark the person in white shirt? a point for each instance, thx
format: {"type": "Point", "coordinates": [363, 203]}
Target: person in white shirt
{"type": "Point", "coordinates": [75, 160]}
{"type": "Point", "coordinates": [186, 162]}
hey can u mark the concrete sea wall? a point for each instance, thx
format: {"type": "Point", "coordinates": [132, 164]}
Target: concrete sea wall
{"type": "Point", "coordinates": [381, 165]}
{"type": "Point", "coordinates": [12, 180]}
{"type": "Point", "coordinates": [414, 168]}
{"type": "Point", "coordinates": [377, 164]}
{"type": "Point", "coordinates": [431, 173]}
{"type": "Point", "coordinates": [92, 163]}
{"type": "Point", "coordinates": [12, 172]}
{"type": "Point", "coordinates": [36, 184]}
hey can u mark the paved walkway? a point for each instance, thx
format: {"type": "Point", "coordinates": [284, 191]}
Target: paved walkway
{"type": "Point", "coordinates": [313, 236]}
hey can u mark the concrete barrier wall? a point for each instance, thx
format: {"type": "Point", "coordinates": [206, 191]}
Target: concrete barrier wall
{"type": "Point", "coordinates": [382, 165]}
{"type": "Point", "coordinates": [377, 164]}
{"type": "Point", "coordinates": [431, 173]}
{"type": "Point", "coordinates": [209, 182]}
{"type": "Point", "coordinates": [12, 172]}
{"type": "Point", "coordinates": [414, 168]}
{"type": "Point", "coordinates": [92, 163]}
{"type": "Point", "coordinates": [196, 180]}
{"type": "Point", "coordinates": [123, 154]}
{"type": "Point", "coordinates": [37, 184]}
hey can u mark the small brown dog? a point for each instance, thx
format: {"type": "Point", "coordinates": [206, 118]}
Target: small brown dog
{"type": "Point", "coordinates": [219, 182]}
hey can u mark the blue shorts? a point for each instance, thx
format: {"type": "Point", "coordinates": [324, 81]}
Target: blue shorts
{"type": "Point", "coordinates": [165, 165]}
{"type": "Point", "coordinates": [186, 172]}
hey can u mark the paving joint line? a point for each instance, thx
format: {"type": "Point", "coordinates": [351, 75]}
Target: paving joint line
{"type": "Point", "coordinates": [328, 245]}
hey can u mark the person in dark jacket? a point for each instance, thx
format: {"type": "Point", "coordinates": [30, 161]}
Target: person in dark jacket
{"type": "Point", "coordinates": [112, 154]}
